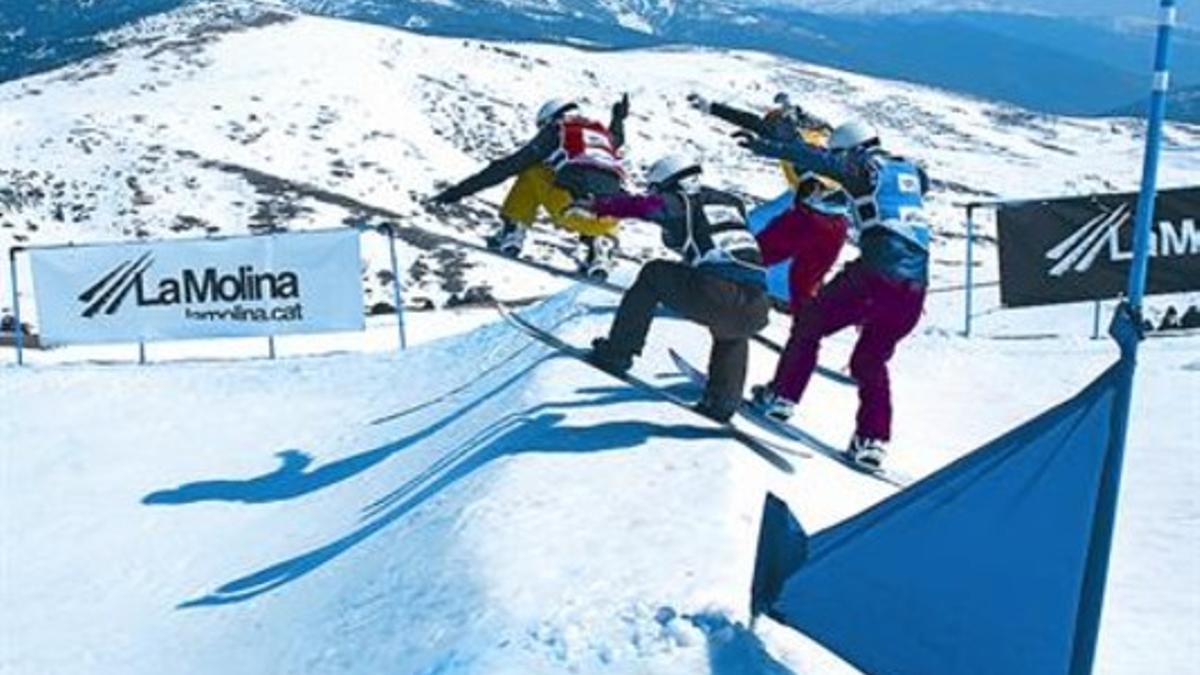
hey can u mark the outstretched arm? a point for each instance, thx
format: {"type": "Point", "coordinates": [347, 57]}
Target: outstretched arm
{"type": "Point", "coordinates": [805, 157]}
{"type": "Point", "coordinates": [501, 169]}
{"type": "Point", "coordinates": [616, 126]}
{"type": "Point", "coordinates": [741, 118]}
{"type": "Point", "coordinates": [642, 207]}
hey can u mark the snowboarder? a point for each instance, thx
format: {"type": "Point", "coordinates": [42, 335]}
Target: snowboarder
{"type": "Point", "coordinates": [882, 292]}
{"type": "Point", "coordinates": [1170, 320]}
{"type": "Point", "coordinates": [1191, 318]}
{"type": "Point", "coordinates": [720, 284]}
{"type": "Point", "coordinates": [784, 122]}
{"type": "Point", "coordinates": [793, 236]}
{"type": "Point", "coordinates": [571, 158]}
{"type": "Point", "coordinates": [810, 233]}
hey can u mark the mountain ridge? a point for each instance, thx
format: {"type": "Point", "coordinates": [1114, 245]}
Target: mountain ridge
{"type": "Point", "coordinates": [1054, 64]}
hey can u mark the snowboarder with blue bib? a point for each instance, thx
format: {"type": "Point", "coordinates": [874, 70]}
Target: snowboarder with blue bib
{"type": "Point", "coordinates": [882, 292]}
{"type": "Point", "coordinates": [720, 283]}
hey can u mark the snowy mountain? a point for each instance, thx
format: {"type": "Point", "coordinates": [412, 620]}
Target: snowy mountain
{"type": "Point", "coordinates": [38, 35]}
{"type": "Point", "coordinates": [1053, 62]}
{"type": "Point", "coordinates": [474, 505]}
{"type": "Point", "coordinates": [1052, 59]}
{"type": "Point", "coordinates": [127, 144]}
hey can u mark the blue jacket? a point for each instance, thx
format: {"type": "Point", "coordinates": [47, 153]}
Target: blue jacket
{"type": "Point", "coordinates": [892, 234]}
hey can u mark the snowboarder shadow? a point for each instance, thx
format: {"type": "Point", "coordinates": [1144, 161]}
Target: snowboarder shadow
{"type": "Point", "coordinates": [289, 480]}
{"type": "Point", "coordinates": [539, 429]}
{"type": "Point", "coordinates": [294, 479]}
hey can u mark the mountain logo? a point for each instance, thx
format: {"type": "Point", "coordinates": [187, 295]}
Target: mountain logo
{"type": "Point", "coordinates": [206, 286]}
{"type": "Point", "coordinates": [110, 291]}
{"type": "Point", "coordinates": [1078, 251]}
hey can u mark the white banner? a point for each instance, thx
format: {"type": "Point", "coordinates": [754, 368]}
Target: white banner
{"type": "Point", "coordinates": [302, 282]}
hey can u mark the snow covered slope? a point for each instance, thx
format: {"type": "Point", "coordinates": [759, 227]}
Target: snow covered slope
{"type": "Point", "coordinates": [478, 506]}
{"type": "Point", "coordinates": [470, 505]}
{"type": "Point", "coordinates": [212, 120]}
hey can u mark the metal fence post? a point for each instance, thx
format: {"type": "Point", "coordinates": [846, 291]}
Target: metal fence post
{"type": "Point", "coordinates": [1096, 322]}
{"type": "Point", "coordinates": [396, 296]}
{"type": "Point", "coordinates": [968, 291]}
{"type": "Point", "coordinates": [141, 353]}
{"type": "Point", "coordinates": [18, 327]}
{"type": "Point", "coordinates": [271, 346]}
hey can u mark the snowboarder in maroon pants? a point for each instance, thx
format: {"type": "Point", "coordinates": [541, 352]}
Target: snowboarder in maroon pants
{"type": "Point", "coordinates": [810, 234]}
{"type": "Point", "coordinates": [882, 292]}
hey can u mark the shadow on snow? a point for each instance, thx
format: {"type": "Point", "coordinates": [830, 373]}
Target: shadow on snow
{"type": "Point", "coordinates": [540, 428]}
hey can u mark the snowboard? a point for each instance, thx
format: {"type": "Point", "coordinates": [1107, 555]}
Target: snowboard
{"type": "Point", "coordinates": [762, 447]}
{"type": "Point", "coordinates": [748, 411]}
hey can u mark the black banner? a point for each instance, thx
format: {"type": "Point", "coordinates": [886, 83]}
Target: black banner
{"type": "Point", "coordinates": [1068, 250]}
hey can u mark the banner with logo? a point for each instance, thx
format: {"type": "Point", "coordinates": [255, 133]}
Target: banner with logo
{"type": "Point", "coordinates": [303, 282]}
{"type": "Point", "coordinates": [1067, 250]}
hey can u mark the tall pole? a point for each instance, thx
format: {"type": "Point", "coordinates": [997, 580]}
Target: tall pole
{"type": "Point", "coordinates": [18, 328]}
{"type": "Point", "coordinates": [970, 280]}
{"type": "Point", "coordinates": [1087, 626]}
{"type": "Point", "coordinates": [396, 297]}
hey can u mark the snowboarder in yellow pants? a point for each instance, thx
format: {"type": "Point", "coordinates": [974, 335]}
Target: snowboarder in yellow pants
{"type": "Point", "coordinates": [571, 159]}
{"type": "Point", "coordinates": [535, 188]}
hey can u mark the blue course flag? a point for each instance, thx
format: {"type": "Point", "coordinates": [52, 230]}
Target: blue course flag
{"type": "Point", "coordinates": [977, 569]}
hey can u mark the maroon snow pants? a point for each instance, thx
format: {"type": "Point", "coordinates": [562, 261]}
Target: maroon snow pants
{"type": "Point", "coordinates": [885, 309]}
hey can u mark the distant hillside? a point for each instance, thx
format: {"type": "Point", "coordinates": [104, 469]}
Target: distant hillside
{"type": "Point", "coordinates": [37, 35]}
{"type": "Point", "coordinates": [1183, 105]}
{"type": "Point", "coordinates": [1057, 63]}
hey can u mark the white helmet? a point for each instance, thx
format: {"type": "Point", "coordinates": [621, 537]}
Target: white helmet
{"type": "Point", "coordinates": [671, 168]}
{"type": "Point", "coordinates": [852, 135]}
{"type": "Point", "coordinates": [552, 109]}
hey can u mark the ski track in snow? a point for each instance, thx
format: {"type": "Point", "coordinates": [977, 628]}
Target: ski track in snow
{"type": "Point", "coordinates": [475, 504]}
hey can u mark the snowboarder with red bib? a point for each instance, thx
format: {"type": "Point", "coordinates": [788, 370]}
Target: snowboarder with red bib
{"type": "Point", "coordinates": [882, 292]}
{"type": "Point", "coordinates": [720, 284]}
{"type": "Point", "coordinates": [571, 158]}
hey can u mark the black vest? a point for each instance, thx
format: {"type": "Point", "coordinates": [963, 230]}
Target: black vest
{"type": "Point", "coordinates": [709, 227]}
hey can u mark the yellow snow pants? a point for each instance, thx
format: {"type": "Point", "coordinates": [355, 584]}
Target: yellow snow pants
{"type": "Point", "coordinates": [535, 188]}
{"type": "Point", "coordinates": [812, 137]}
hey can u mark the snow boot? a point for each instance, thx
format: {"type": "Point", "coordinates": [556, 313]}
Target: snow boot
{"type": "Point", "coordinates": [714, 410]}
{"type": "Point", "coordinates": [508, 239]}
{"type": "Point", "coordinates": [599, 260]}
{"type": "Point", "coordinates": [605, 357]}
{"type": "Point", "coordinates": [868, 453]}
{"type": "Point", "coordinates": [770, 404]}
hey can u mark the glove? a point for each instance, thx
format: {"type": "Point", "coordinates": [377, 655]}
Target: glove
{"type": "Point", "coordinates": [699, 102]}
{"type": "Point", "coordinates": [448, 196]}
{"type": "Point", "coordinates": [620, 109]}
{"type": "Point", "coordinates": [581, 208]}
{"type": "Point", "coordinates": [745, 138]}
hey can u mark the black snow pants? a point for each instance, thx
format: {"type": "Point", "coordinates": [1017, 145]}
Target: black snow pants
{"type": "Point", "coordinates": [731, 311]}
